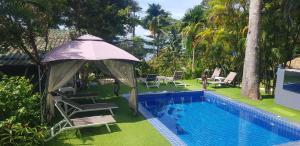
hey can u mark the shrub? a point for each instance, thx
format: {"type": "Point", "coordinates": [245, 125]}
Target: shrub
{"type": "Point", "coordinates": [167, 62]}
{"type": "Point", "coordinates": [20, 113]}
{"type": "Point", "coordinates": [18, 103]}
{"type": "Point", "coordinates": [143, 68]}
{"type": "Point", "coordinates": [21, 134]}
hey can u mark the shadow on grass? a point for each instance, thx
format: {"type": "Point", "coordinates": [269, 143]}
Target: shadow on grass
{"type": "Point", "coordinates": [267, 96]}
{"type": "Point", "coordinates": [222, 86]}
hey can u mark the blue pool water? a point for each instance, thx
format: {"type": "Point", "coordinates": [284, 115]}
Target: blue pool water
{"type": "Point", "coordinates": [292, 87]}
{"type": "Point", "coordinates": [201, 121]}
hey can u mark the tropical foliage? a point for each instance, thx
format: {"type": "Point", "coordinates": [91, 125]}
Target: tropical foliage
{"type": "Point", "coordinates": [156, 20]}
{"type": "Point", "coordinates": [211, 34]}
{"type": "Point", "coordinates": [21, 134]}
{"type": "Point", "coordinates": [20, 116]}
{"type": "Point", "coordinates": [22, 21]}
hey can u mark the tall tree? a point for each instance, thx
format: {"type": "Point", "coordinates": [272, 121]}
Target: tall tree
{"type": "Point", "coordinates": [280, 38]}
{"type": "Point", "coordinates": [103, 18]}
{"type": "Point", "coordinates": [189, 33]}
{"type": "Point", "coordinates": [22, 21]}
{"type": "Point", "coordinates": [219, 38]}
{"type": "Point", "coordinates": [250, 82]}
{"type": "Point", "coordinates": [192, 23]}
{"type": "Point", "coordinates": [134, 20]}
{"type": "Point", "coordinates": [155, 20]}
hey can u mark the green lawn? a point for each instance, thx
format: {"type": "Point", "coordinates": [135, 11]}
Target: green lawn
{"type": "Point", "coordinates": [267, 103]}
{"type": "Point", "coordinates": [130, 129]}
{"type": "Point", "coordinates": [135, 130]}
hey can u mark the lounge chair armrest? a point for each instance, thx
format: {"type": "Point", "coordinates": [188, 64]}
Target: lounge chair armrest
{"type": "Point", "coordinates": [219, 79]}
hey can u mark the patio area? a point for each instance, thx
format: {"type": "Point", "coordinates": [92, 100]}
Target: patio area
{"type": "Point", "coordinates": [135, 130]}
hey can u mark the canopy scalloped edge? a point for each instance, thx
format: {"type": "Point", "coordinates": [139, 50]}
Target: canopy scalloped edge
{"type": "Point", "coordinates": [87, 47]}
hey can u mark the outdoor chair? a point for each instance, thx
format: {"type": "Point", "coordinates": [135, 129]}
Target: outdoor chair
{"type": "Point", "coordinates": [76, 95]}
{"type": "Point", "coordinates": [176, 79]}
{"type": "Point", "coordinates": [72, 107]}
{"type": "Point", "coordinates": [227, 81]}
{"type": "Point", "coordinates": [150, 81]}
{"type": "Point", "coordinates": [75, 123]}
{"type": "Point", "coordinates": [213, 77]}
{"type": "Point", "coordinates": [105, 81]}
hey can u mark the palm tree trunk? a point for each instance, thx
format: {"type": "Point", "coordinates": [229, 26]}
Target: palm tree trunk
{"type": "Point", "coordinates": [250, 83]}
{"type": "Point", "coordinates": [158, 44]}
{"type": "Point", "coordinates": [193, 62]}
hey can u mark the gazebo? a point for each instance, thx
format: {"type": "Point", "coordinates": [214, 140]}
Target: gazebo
{"type": "Point", "coordinates": [66, 60]}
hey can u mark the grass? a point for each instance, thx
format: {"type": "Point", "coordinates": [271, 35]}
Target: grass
{"type": "Point", "coordinates": [135, 130]}
{"type": "Point", "coordinates": [267, 103]}
{"type": "Point", "coordinates": [130, 129]}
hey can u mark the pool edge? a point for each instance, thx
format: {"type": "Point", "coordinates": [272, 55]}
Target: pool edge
{"type": "Point", "coordinates": [160, 127]}
{"type": "Point", "coordinates": [171, 137]}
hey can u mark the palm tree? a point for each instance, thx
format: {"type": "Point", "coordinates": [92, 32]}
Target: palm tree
{"type": "Point", "coordinates": [250, 83]}
{"type": "Point", "coordinates": [155, 19]}
{"type": "Point", "coordinates": [190, 32]}
{"type": "Point", "coordinates": [193, 21]}
{"type": "Point", "coordinates": [133, 18]}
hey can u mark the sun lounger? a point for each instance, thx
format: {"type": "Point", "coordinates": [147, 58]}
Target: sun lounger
{"type": "Point", "coordinates": [76, 95]}
{"type": "Point", "coordinates": [72, 107]}
{"type": "Point", "coordinates": [150, 81]}
{"type": "Point", "coordinates": [74, 123]}
{"type": "Point", "coordinates": [106, 81]}
{"type": "Point", "coordinates": [176, 79]}
{"type": "Point", "coordinates": [67, 89]}
{"type": "Point", "coordinates": [213, 77]}
{"type": "Point", "coordinates": [228, 80]}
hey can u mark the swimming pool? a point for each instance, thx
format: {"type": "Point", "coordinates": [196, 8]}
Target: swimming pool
{"type": "Point", "coordinates": [295, 87]}
{"type": "Point", "coordinates": [206, 119]}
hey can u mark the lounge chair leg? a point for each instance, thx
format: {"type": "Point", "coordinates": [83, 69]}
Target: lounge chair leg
{"type": "Point", "coordinates": [93, 99]}
{"type": "Point", "coordinates": [52, 132]}
{"type": "Point", "coordinates": [78, 133]}
{"type": "Point", "coordinates": [66, 107]}
{"type": "Point", "coordinates": [111, 112]}
{"type": "Point", "coordinates": [108, 129]}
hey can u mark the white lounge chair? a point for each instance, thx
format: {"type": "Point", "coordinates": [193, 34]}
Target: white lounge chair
{"type": "Point", "coordinates": [74, 123]}
{"type": "Point", "coordinates": [228, 80]}
{"type": "Point", "coordinates": [215, 74]}
{"type": "Point", "coordinates": [176, 79]}
{"type": "Point", "coordinates": [150, 81]}
{"type": "Point", "coordinates": [72, 107]}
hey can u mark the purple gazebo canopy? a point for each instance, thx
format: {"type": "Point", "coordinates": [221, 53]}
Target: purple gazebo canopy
{"type": "Point", "coordinates": [87, 47]}
{"type": "Point", "coordinates": [70, 57]}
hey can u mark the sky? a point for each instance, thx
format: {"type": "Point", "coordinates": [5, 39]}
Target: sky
{"type": "Point", "coordinates": [177, 8]}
